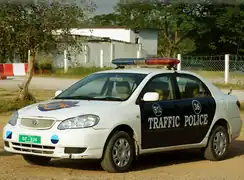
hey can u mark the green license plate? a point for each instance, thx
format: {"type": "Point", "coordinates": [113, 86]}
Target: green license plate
{"type": "Point", "coordinates": [30, 139]}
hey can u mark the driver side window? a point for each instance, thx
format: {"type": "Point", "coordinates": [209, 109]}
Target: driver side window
{"type": "Point", "coordinates": [160, 84]}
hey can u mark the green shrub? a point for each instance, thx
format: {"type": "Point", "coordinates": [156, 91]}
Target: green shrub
{"type": "Point", "coordinates": [79, 71]}
{"type": "Point", "coordinates": [45, 64]}
{"type": "Point", "coordinates": [10, 105]}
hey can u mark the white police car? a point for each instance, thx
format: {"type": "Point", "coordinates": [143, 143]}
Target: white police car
{"type": "Point", "coordinates": [117, 115]}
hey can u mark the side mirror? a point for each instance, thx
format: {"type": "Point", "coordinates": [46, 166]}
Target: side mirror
{"type": "Point", "coordinates": [151, 96]}
{"type": "Point", "coordinates": [58, 92]}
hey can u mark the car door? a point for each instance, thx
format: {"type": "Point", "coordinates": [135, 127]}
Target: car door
{"type": "Point", "coordinates": [198, 108]}
{"type": "Point", "coordinates": [160, 120]}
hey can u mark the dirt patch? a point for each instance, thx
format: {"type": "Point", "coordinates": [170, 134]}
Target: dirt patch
{"type": "Point", "coordinates": [182, 165]}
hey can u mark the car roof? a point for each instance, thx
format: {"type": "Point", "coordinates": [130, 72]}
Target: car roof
{"type": "Point", "coordinates": [144, 71]}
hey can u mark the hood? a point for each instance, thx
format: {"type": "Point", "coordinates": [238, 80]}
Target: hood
{"type": "Point", "coordinates": [63, 109]}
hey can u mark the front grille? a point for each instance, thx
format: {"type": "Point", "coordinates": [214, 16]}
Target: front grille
{"type": "Point", "coordinates": [37, 149]}
{"type": "Point", "coordinates": [36, 123]}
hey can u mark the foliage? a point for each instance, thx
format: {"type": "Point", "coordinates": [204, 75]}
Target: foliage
{"type": "Point", "coordinates": [9, 103]}
{"type": "Point", "coordinates": [77, 72]}
{"type": "Point", "coordinates": [203, 27]}
{"type": "Point", "coordinates": [40, 26]}
{"type": "Point", "coordinates": [45, 64]}
{"type": "Point", "coordinates": [12, 105]}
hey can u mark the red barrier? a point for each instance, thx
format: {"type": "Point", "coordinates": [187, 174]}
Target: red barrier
{"type": "Point", "coordinates": [26, 68]}
{"type": "Point", "coordinates": [1, 70]}
{"type": "Point", "coordinates": [2, 76]}
{"type": "Point", "coordinates": [8, 69]}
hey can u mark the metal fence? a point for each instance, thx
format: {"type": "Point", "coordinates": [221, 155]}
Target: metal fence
{"type": "Point", "coordinates": [212, 63]}
{"type": "Point", "coordinates": [219, 68]}
{"type": "Point", "coordinates": [203, 63]}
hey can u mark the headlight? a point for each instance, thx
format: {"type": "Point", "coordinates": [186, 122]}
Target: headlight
{"type": "Point", "coordinates": [78, 122]}
{"type": "Point", "coordinates": [13, 119]}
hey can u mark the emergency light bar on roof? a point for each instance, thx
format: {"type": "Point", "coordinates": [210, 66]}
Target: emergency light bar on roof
{"type": "Point", "coordinates": [146, 62]}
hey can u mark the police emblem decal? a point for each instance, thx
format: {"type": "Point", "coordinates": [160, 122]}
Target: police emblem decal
{"type": "Point", "coordinates": [196, 106]}
{"type": "Point", "coordinates": [157, 109]}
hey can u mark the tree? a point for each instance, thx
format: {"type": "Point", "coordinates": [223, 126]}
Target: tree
{"type": "Point", "coordinates": [176, 22]}
{"type": "Point", "coordinates": [43, 26]}
{"type": "Point", "coordinates": [231, 24]}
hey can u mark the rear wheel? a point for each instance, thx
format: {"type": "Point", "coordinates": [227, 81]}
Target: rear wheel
{"type": "Point", "coordinates": [119, 153]}
{"type": "Point", "coordinates": [37, 160]}
{"type": "Point", "coordinates": [218, 144]}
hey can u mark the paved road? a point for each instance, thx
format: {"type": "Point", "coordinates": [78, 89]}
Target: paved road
{"type": "Point", "coordinates": [58, 83]}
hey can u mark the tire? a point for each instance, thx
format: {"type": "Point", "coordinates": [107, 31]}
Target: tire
{"type": "Point", "coordinates": [108, 160]}
{"type": "Point", "coordinates": [210, 151]}
{"type": "Point", "coordinates": [37, 160]}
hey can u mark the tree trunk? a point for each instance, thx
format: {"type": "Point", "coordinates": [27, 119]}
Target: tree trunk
{"type": "Point", "coordinates": [24, 88]}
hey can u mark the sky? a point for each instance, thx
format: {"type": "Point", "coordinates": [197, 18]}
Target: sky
{"type": "Point", "coordinates": [104, 6]}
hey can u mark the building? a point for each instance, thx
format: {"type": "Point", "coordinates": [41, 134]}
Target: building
{"type": "Point", "coordinates": [148, 38]}
{"type": "Point", "coordinates": [107, 43]}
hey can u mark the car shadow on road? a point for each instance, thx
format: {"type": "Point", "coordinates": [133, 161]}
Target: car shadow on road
{"type": "Point", "coordinates": [180, 157]}
{"type": "Point", "coordinates": [236, 149]}
{"type": "Point", "coordinates": [152, 160]}
{"type": "Point", "coordinates": [89, 165]}
{"type": "Point", "coordinates": [4, 153]}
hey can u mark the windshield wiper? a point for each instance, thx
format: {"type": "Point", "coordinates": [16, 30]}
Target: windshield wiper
{"type": "Point", "coordinates": [77, 97]}
{"type": "Point", "coordinates": [108, 98]}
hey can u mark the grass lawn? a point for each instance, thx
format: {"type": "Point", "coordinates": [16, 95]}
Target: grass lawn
{"type": "Point", "coordinates": [7, 103]}
{"type": "Point", "coordinates": [219, 74]}
{"type": "Point", "coordinates": [77, 72]}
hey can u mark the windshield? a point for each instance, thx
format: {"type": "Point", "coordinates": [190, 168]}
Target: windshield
{"type": "Point", "coordinates": [104, 86]}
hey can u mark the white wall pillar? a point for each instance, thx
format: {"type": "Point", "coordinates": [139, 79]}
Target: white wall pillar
{"type": "Point", "coordinates": [29, 56]}
{"type": "Point", "coordinates": [227, 64]}
{"type": "Point", "coordinates": [179, 65]}
{"type": "Point", "coordinates": [139, 51]}
{"type": "Point", "coordinates": [65, 61]}
{"type": "Point", "coordinates": [86, 54]}
{"type": "Point", "coordinates": [111, 52]}
{"type": "Point", "coordinates": [101, 58]}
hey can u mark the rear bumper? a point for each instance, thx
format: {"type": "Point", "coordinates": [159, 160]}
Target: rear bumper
{"type": "Point", "coordinates": [236, 128]}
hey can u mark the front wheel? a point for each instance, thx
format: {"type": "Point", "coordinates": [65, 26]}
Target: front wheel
{"type": "Point", "coordinates": [37, 160]}
{"type": "Point", "coordinates": [119, 153]}
{"type": "Point", "coordinates": [218, 144]}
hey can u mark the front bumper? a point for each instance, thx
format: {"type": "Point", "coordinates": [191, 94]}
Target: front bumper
{"type": "Point", "coordinates": [85, 143]}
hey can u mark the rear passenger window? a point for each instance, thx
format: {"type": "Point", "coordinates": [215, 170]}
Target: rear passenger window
{"type": "Point", "coordinates": [191, 87]}
{"type": "Point", "coordinates": [161, 85]}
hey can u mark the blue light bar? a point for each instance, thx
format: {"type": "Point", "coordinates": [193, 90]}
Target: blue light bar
{"type": "Point", "coordinates": [127, 61]}
{"type": "Point", "coordinates": [159, 61]}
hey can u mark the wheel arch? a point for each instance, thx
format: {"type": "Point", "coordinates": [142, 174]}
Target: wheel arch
{"type": "Point", "coordinates": [128, 129]}
{"type": "Point", "coordinates": [222, 122]}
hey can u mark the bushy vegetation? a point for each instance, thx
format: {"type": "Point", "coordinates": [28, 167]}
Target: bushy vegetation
{"type": "Point", "coordinates": [9, 104]}
{"type": "Point", "coordinates": [77, 72]}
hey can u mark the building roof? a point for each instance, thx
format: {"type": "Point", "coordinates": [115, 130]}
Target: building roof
{"type": "Point", "coordinates": [102, 39]}
{"type": "Point", "coordinates": [114, 27]}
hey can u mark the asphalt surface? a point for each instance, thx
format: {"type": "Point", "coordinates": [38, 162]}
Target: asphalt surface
{"type": "Point", "coordinates": [49, 83]}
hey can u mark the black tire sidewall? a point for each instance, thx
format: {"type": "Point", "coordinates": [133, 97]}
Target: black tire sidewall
{"type": "Point", "coordinates": [112, 141]}
{"type": "Point", "coordinates": [223, 130]}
